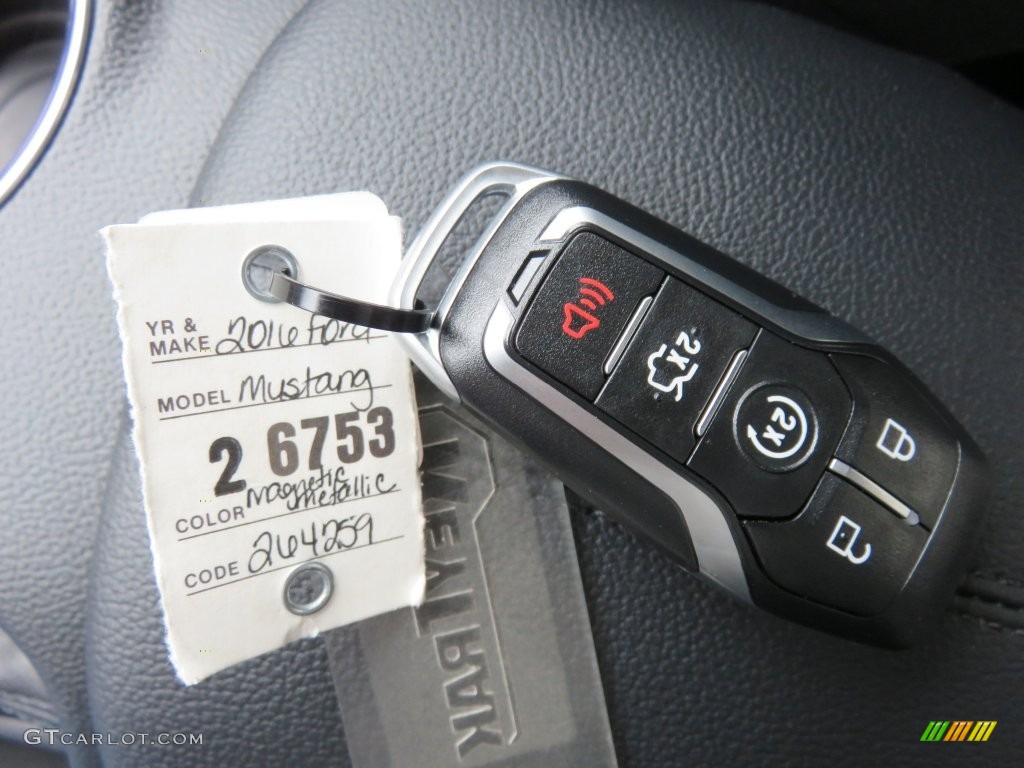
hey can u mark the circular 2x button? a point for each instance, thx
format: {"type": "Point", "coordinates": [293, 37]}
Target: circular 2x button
{"type": "Point", "coordinates": [776, 427]}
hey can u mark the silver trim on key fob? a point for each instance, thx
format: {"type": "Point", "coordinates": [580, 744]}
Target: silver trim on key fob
{"type": "Point", "coordinates": [712, 540]}
{"type": "Point", "coordinates": [717, 556]}
{"type": "Point", "coordinates": [516, 181]}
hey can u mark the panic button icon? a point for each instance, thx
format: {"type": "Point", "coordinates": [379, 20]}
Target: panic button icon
{"type": "Point", "coordinates": [580, 317]}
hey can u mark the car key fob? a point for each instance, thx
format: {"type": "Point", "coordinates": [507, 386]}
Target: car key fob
{"type": "Point", "coordinates": [749, 435]}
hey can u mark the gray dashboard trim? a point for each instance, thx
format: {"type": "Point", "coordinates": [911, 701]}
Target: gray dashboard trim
{"type": "Point", "coordinates": [63, 89]}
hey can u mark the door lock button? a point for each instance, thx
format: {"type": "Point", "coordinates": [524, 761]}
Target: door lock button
{"type": "Point", "coordinates": [896, 438]}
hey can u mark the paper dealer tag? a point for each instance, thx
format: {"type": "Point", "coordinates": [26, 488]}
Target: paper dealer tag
{"type": "Point", "coordinates": [267, 437]}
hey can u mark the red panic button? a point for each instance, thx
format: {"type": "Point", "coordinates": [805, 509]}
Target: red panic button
{"type": "Point", "coordinates": [582, 308]}
{"type": "Point", "coordinates": [579, 315]}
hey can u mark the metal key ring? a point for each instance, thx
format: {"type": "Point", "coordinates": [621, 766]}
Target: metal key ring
{"type": "Point", "coordinates": [284, 287]}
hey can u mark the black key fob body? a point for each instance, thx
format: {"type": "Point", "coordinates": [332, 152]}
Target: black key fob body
{"type": "Point", "coordinates": [749, 435]}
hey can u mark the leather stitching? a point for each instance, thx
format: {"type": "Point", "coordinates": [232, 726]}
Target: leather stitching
{"type": "Point", "coordinates": [998, 578]}
{"type": "Point", "coordinates": [991, 601]}
{"type": "Point", "coordinates": [990, 624]}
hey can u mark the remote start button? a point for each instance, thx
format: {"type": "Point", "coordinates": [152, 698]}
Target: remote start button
{"type": "Point", "coordinates": [776, 427]}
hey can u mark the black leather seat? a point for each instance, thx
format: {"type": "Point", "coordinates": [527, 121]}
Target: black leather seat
{"type": "Point", "coordinates": [881, 186]}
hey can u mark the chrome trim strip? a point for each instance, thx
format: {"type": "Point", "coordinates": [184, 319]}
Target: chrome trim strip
{"type": "Point", "coordinates": [59, 100]}
{"type": "Point", "coordinates": [717, 555]}
{"type": "Point", "coordinates": [719, 394]}
{"type": "Point", "coordinates": [871, 488]}
{"type": "Point", "coordinates": [627, 334]}
{"type": "Point", "coordinates": [516, 181]}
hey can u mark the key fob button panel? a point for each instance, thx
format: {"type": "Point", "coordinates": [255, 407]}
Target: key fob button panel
{"type": "Point", "coordinates": [673, 364]}
{"type": "Point", "coordinates": [775, 431]}
{"type": "Point", "coordinates": [843, 550]}
{"type": "Point", "coordinates": [896, 438]}
{"type": "Point", "coordinates": [824, 486]}
{"type": "Point", "coordinates": [581, 309]}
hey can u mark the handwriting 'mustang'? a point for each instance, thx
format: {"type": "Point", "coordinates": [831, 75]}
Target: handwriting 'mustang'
{"type": "Point", "coordinates": [261, 389]}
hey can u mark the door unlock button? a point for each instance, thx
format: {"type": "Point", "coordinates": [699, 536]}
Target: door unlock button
{"type": "Point", "coordinates": [843, 549]}
{"type": "Point", "coordinates": [844, 539]}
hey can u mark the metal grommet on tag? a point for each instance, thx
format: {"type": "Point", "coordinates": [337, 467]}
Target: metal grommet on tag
{"type": "Point", "coordinates": [308, 588]}
{"type": "Point", "coordinates": [261, 265]}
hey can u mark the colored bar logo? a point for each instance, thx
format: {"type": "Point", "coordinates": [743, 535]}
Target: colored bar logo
{"type": "Point", "coordinates": [958, 730]}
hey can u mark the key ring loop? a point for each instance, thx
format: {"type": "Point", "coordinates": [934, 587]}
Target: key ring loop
{"type": "Point", "coordinates": [282, 286]}
{"type": "Point", "coordinates": [349, 310]}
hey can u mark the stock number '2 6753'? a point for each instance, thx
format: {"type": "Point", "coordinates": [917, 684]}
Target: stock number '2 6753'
{"type": "Point", "coordinates": [355, 432]}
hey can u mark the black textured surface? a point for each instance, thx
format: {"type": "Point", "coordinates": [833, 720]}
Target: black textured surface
{"type": "Point", "coordinates": [146, 111]}
{"type": "Point", "coordinates": [695, 679]}
{"type": "Point", "coordinates": [876, 184]}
